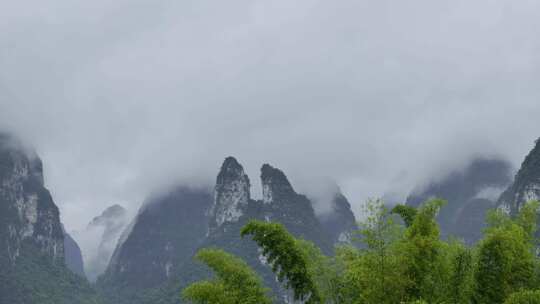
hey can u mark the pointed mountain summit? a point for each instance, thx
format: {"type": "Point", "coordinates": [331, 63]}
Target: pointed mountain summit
{"type": "Point", "coordinates": [106, 229]}
{"type": "Point", "coordinates": [109, 217]}
{"type": "Point", "coordinates": [275, 185]}
{"type": "Point", "coordinates": [282, 204]}
{"type": "Point", "coordinates": [231, 194]}
{"type": "Point", "coordinates": [156, 251]}
{"type": "Point", "coordinates": [526, 185]}
{"type": "Point", "coordinates": [339, 221]}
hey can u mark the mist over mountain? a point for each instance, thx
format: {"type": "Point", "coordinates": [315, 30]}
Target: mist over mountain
{"type": "Point", "coordinates": [469, 192]}
{"type": "Point", "coordinates": [156, 251]}
{"type": "Point", "coordinates": [38, 264]}
{"type": "Point", "coordinates": [134, 133]}
{"type": "Point", "coordinates": [99, 239]}
{"type": "Point", "coordinates": [123, 99]}
{"type": "Point", "coordinates": [165, 234]}
{"type": "Point", "coordinates": [150, 258]}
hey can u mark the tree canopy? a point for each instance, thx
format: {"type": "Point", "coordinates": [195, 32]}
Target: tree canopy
{"type": "Point", "coordinates": [235, 281]}
{"type": "Point", "coordinates": [398, 256]}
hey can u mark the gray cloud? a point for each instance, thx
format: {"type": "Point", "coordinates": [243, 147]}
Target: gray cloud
{"type": "Point", "coordinates": [122, 97]}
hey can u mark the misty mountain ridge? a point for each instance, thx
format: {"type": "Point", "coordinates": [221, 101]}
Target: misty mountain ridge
{"type": "Point", "coordinates": [270, 152]}
{"type": "Point", "coordinates": [333, 210]}
{"type": "Point", "coordinates": [150, 259]}
{"type": "Point", "coordinates": [170, 228]}
{"type": "Point", "coordinates": [469, 192]}
{"type": "Point", "coordinates": [164, 234]}
{"type": "Point", "coordinates": [100, 238]}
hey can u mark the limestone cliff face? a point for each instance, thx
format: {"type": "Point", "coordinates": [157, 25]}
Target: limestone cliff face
{"type": "Point", "coordinates": [295, 211]}
{"type": "Point", "coordinates": [275, 186]}
{"type": "Point", "coordinates": [231, 194]}
{"type": "Point", "coordinates": [28, 214]}
{"type": "Point", "coordinates": [280, 203]}
{"type": "Point", "coordinates": [526, 185]}
{"type": "Point", "coordinates": [32, 240]}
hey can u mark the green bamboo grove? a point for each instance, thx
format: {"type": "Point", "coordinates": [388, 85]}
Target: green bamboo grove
{"type": "Point", "coordinates": [397, 256]}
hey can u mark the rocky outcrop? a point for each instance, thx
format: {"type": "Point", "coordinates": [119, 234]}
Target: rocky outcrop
{"type": "Point", "coordinates": [276, 188]}
{"type": "Point", "coordinates": [280, 203]}
{"type": "Point", "coordinates": [295, 211]}
{"type": "Point", "coordinates": [526, 185]}
{"type": "Point", "coordinates": [231, 194]}
{"type": "Point", "coordinates": [27, 211]}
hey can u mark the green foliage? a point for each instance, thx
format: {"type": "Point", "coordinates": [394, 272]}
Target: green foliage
{"type": "Point", "coordinates": [397, 262]}
{"type": "Point", "coordinates": [497, 218]}
{"type": "Point", "coordinates": [506, 261]}
{"type": "Point", "coordinates": [235, 282]}
{"type": "Point", "coordinates": [286, 257]}
{"type": "Point", "coordinates": [505, 264]}
{"type": "Point", "coordinates": [371, 273]}
{"type": "Point", "coordinates": [407, 213]}
{"type": "Point", "coordinates": [422, 250]}
{"type": "Point", "coordinates": [380, 230]}
{"type": "Point", "coordinates": [34, 278]}
{"type": "Point", "coordinates": [527, 219]}
{"type": "Point", "coordinates": [325, 271]}
{"type": "Point", "coordinates": [461, 273]}
{"type": "Point", "coordinates": [524, 297]}
{"type": "Point", "coordinates": [408, 263]}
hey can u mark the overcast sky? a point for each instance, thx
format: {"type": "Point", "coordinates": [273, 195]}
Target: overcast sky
{"type": "Point", "coordinates": [120, 97]}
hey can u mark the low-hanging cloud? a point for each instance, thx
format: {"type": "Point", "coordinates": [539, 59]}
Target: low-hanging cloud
{"type": "Point", "coordinates": [120, 97]}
